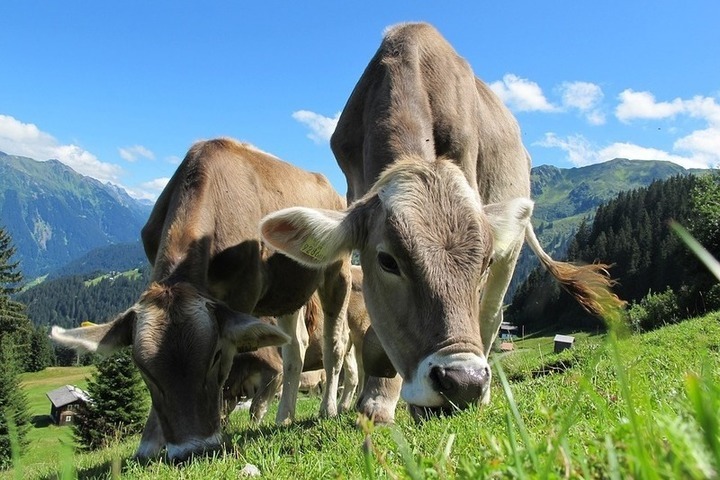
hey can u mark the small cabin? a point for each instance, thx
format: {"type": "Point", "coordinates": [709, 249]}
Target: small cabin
{"type": "Point", "coordinates": [563, 342]}
{"type": "Point", "coordinates": [65, 403]}
{"type": "Point", "coordinates": [508, 331]}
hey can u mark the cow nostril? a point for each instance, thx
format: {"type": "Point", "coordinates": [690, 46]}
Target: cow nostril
{"type": "Point", "coordinates": [460, 386]}
{"type": "Point", "coordinates": [441, 380]}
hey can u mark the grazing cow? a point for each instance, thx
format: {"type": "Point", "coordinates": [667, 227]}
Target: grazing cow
{"type": "Point", "coordinates": [440, 182]}
{"type": "Point", "coordinates": [209, 264]}
{"type": "Point", "coordinates": [257, 375]}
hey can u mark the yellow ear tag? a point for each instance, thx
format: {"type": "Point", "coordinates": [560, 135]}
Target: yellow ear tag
{"type": "Point", "coordinates": [87, 324]}
{"type": "Point", "coordinates": [313, 248]}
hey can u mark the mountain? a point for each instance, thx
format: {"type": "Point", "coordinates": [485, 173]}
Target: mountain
{"type": "Point", "coordinates": [561, 193]}
{"type": "Point", "coordinates": [63, 223]}
{"type": "Point", "coordinates": [55, 215]}
{"type": "Point", "coordinates": [565, 196]}
{"type": "Point", "coordinates": [119, 257]}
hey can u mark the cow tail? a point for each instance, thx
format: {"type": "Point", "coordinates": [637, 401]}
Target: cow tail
{"type": "Point", "coordinates": [313, 312]}
{"type": "Point", "coordinates": [590, 284]}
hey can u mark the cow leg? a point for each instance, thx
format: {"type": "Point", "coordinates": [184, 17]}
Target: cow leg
{"type": "Point", "coordinates": [334, 295]}
{"type": "Point", "coordinates": [153, 440]}
{"type": "Point", "coordinates": [379, 397]}
{"type": "Point", "coordinates": [350, 380]}
{"type": "Point", "coordinates": [293, 354]}
{"type": "Point", "coordinates": [263, 397]}
{"type": "Point", "coordinates": [491, 311]}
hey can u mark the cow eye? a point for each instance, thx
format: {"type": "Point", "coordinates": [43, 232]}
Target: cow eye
{"type": "Point", "coordinates": [388, 263]}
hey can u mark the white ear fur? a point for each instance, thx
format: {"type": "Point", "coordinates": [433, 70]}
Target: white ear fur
{"type": "Point", "coordinates": [104, 339]}
{"type": "Point", "coordinates": [508, 221]}
{"type": "Point", "coordinates": [312, 237]}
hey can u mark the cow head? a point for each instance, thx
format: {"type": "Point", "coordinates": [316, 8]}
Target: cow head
{"type": "Point", "coordinates": [183, 344]}
{"type": "Point", "coordinates": [426, 248]}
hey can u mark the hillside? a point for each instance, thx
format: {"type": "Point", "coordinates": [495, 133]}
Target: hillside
{"type": "Point", "coordinates": [643, 406]}
{"type": "Point", "coordinates": [64, 224]}
{"type": "Point", "coordinates": [118, 257]}
{"type": "Point", "coordinates": [566, 193]}
{"type": "Point", "coordinates": [67, 301]}
{"type": "Point", "coordinates": [565, 196]}
{"type": "Point", "coordinates": [56, 215]}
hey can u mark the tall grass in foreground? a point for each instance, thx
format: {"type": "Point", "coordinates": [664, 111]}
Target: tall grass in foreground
{"type": "Point", "coordinates": [617, 406]}
{"type": "Point", "coordinates": [643, 406]}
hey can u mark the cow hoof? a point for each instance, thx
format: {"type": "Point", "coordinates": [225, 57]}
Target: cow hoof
{"type": "Point", "coordinates": [379, 416]}
{"type": "Point", "coordinates": [284, 422]}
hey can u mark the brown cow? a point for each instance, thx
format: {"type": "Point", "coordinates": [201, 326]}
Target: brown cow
{"type": "Point", "coordinates": [257, 375]}
{"type": "Point", "coordinates": [203, 241]}
{"type": "Point", "coordinates": [440, 182]}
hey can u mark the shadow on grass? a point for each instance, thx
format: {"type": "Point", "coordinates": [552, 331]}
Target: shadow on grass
{"type": "Point", "coordinates": [41, 421]}
{"type": "Point", "coordinates": [263, 431]}
{"type": "Point", "coordinates": [105, 470]}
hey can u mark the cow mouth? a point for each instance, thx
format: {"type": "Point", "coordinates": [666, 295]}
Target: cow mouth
{"type": "Point", "coordinates": [421, 414]}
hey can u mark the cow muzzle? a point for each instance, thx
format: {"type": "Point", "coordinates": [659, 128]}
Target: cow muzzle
{"type": "Point", "coordinates": [178, 453]}
{"type": "Point", "coordinates": [448, 383]}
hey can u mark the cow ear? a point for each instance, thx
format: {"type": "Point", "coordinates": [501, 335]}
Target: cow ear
{"type": "Point", "coordinates": [312, 237]}
{"type": "Point", "coordinates": [246, 332]}
{"type": "Point", "coordinates": [375, 361]}
{"type": "Point", "coordinates": [508, 221]}
{"type": "Point", "coordinates": [104, 339]}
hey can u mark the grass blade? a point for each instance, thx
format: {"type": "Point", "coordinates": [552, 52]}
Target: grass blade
{"type": "Point", "coordinates": [516, 415]}
{"type": "Point", "coordinates": [705, 402]}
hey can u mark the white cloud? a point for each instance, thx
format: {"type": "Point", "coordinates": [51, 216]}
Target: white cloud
{"type": "Point", "coordinates": [702, 143]}
{"type": "Point", "coordinates": [585, 97]}
{"type": "Point", "coordinates": [637, 152]}
{"type": "Point", "coordinates": [701, 146]}
{"type": "Point", "coordinates": [580, 152]}
{"type": "Point", "coordinates": [148, 190]}
{"type": "Point", "coordinates": [26, 139]}
{"type": "Point", "coordinates": [581, 95]}
{"type": "Point", "coordinates": [595, 117]}
{"type": "Point", "coordinates": [132, 154]}
{"type": "Point", "coordinates": [635, 105]}
{"type": "Point", "coordinates": [321, 127]}
{"type": "Point", "coordinates": [521, 94]}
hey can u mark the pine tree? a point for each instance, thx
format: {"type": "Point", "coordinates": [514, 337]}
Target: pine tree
{"type": "Point", "coordinates": [118, 406]}
{"type": "Point", "coordinates": [14, 414]}
{"type": "Point", "coordinates": [705, 221]}
{"type": "Point", "coordinates": [41, 353]}
{"type": "Point", "coordinates": [14, 323]}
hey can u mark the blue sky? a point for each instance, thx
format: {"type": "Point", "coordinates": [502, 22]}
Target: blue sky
{"type": "Point", "coordinates": [120, 90]}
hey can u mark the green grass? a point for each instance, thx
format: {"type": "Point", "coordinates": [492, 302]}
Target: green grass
{"type": "Point", "coordinates": [133, 274]}
{"type": "Point", "coordinates": [47, 442]}
{"type": "Point", "coordinates": [642, 406]}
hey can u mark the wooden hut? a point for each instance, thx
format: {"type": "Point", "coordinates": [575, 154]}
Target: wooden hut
{"type": "Point", "coordinates": [563, 342]}
{"type": "Point", "coordinates": [65, 402]}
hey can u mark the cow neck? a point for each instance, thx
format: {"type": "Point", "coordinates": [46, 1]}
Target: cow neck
{"type": "Point", "coordinates": [408, 126]}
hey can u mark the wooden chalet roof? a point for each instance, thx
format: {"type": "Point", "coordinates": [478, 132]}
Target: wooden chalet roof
{"type": "Point", "coordinates": [66, 395]}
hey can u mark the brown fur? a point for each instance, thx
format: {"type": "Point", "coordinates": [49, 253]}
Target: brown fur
{"type": "Point", "coordinates": [257, 375]}
{"type": "Point", "coordinates": [210, 272]}
{"type": "Point", "coordinates": [417, 108]}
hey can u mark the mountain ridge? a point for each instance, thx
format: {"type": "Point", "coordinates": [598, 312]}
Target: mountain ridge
{"type": "Point", "coordinates": [55, 215]}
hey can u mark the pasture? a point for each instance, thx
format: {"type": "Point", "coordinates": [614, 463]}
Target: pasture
{"type": "Point", "coordinates": [642, 406]}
